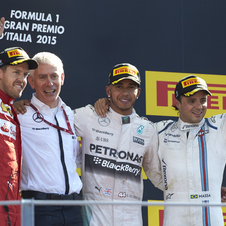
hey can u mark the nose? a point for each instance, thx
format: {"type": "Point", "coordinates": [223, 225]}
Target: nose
{"type": "Point", "coordinates": [125, 91]}
{"type": "Point", "coordinates": [199, 105]}
{"type": "Point", "coordinates": [22, 78]}
{"type": "Point", "coordinates": [49, 81]}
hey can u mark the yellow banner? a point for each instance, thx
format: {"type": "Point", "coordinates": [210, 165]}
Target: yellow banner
{"type": "Point", "coordinates": [160, 92]}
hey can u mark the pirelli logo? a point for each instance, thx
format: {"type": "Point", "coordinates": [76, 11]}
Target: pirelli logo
{"type": "Point", "coordinates": [190, 82]}
{"type": "Point", "coordinates": [14, 53]}
{"type": "Point", "coordinates": [123, 70]}
{"type": "Point", "coordinates": [160, 92]}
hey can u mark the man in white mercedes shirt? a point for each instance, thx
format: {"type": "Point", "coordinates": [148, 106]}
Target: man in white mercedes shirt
{"type": "Point", "coordinates": [115, 149]}
{"type": "Point", "coordinates": [50, 146]}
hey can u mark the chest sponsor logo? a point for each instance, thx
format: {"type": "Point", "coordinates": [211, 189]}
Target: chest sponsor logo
{"type": "Point", "coordinates": [140, 129]}
{"type": "Point", "coordinates": [104, 121]}
{"type": "Point", "coordinates": [7, 128]}
{"type": "Point", "coordinates": [184, 127]}
{"type": "Point", "coordinates": [104, 150]}
{"type": "Point", "coordinates": [103, 132]}
{"type": "Point", "coordinates": [126, 195]}
{"type": "Point", "coordinates": [36, 117]}
{"type": "Point", "coordinates": [138, 140]}
{"type": "Point", "coordinates": [168, 196]}
{"type": "Point", "coordinates": [98, 188]}
{"type": "Point", "coordinates": [102, 139]}
{"type": "Point", "coordinates": [171, 138]}
{"type": "Point", "coordinates": [112, 168]}
{"type": "Point", "coordinates": [42, 128]}
{"type": "Point", "coordinates": [200, 196]}
{"type": "Point", "coordinates": [164, 167]}
{"type": "Point", "coordinates": [202, 132]}
{"type": "Point", "coordinates": [6, 108]}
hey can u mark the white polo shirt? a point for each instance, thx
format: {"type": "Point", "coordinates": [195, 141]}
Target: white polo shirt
{"type": "Point", "coordinates": [41, 166]}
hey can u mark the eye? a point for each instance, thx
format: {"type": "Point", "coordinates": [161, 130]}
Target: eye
{"type": "Point", "coordinates": [26, 75]}
{"type": "Point", "coordinates": [54, 76]}
{"type": "Point", "coordinates": [203, 101]}
{"type": "Point", "coordinates": [191, 101]}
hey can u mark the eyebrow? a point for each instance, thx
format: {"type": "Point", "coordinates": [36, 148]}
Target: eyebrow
{"type": "Point", "coordinates": [54, 73]}
{"type": "Point", "coordinates": [17, 69]}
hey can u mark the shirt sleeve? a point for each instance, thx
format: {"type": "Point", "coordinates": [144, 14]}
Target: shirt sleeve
{"type": "Point", "coordinates": [151, 162]}
{"type": "Point", "coordinates": [80, 117]}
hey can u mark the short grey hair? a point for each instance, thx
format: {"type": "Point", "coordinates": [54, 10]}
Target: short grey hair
{"type": "Point", "coordinates": [50, 59]}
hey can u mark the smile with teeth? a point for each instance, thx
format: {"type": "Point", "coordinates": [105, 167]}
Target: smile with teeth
{"type": "Point", "coordinates": [19, 85]}
{"type": "Point", "coordinates": [197, 113]}
{"type": "Point", "coordinates": [50, 91]}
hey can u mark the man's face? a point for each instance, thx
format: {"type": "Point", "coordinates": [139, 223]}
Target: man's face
{"type": "Point", "coordinates": [123, 96]}
{"type": "Point", "coordinates": [14, 79]}
{"type": "Point", "coordinates": [192, 109]}
{"type": "Point", "coordinates": [47, 82]}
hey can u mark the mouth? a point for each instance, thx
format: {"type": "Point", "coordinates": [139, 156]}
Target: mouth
{"type": "Point", "coordinates": [19, 85]}
{"type": "Point", "coordinates": [197, 113]}
{"type": "Point", "coordinates": [50, 91]}
{"type": "Point", "coordinates": [125, 100]}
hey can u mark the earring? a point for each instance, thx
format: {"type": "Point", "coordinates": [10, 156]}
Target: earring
{"type": "Point", "coordinates": [137, 98]}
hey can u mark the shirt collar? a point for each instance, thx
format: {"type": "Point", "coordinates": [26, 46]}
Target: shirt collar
{"type": "Point", "coordinates": [40, 105]}
{"type": "Point", "coordinates": [119, 118]}
{"type": "Point", "coordinates": [188, 126]}
{"type": "Point", "coordinates": [6, 99]}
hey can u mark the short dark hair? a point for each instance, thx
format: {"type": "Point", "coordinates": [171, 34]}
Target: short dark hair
{"type": "Point", "coordinates": [4, 68]}
{"type": "Point", "coordinates": [174, 106]}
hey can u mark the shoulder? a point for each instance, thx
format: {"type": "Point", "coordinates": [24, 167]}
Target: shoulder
{"type": "Point", "coordinates": [145, 122]}
{"type": "Point", "coordinates": [215, 121]}
{"type": "Point", "coordinates": [88, 109]}
{"type": "Point", "coordinates": [23, 118]}
{"type": "Point", "coordinates": [67, 109]}
{"type": "Point", "coordinates": [164, 125]}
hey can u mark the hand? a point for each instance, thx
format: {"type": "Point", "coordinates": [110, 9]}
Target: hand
{"type": "Point", "coordinates": [223, 194]}
{"type": "Point", "coordinates": [2, 22]}
{"type": "Point", "coordinates": [20, 106]}
{"type": "Point", "coordinates": [102, 106]}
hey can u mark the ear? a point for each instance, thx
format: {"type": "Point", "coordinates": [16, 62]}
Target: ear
{"type": "Point", "coordinates": [108, 90]}
{"type": "Point", "coordinates": [177, 103]}
{"type": "Point", "coordinates": [138, 92]}
{"type": "Point", "coordinates": [31, 81]}
{"type": "Point", "coordinates": [62, 78]}
{"type": "Point", "coordinates": [1, 73]}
